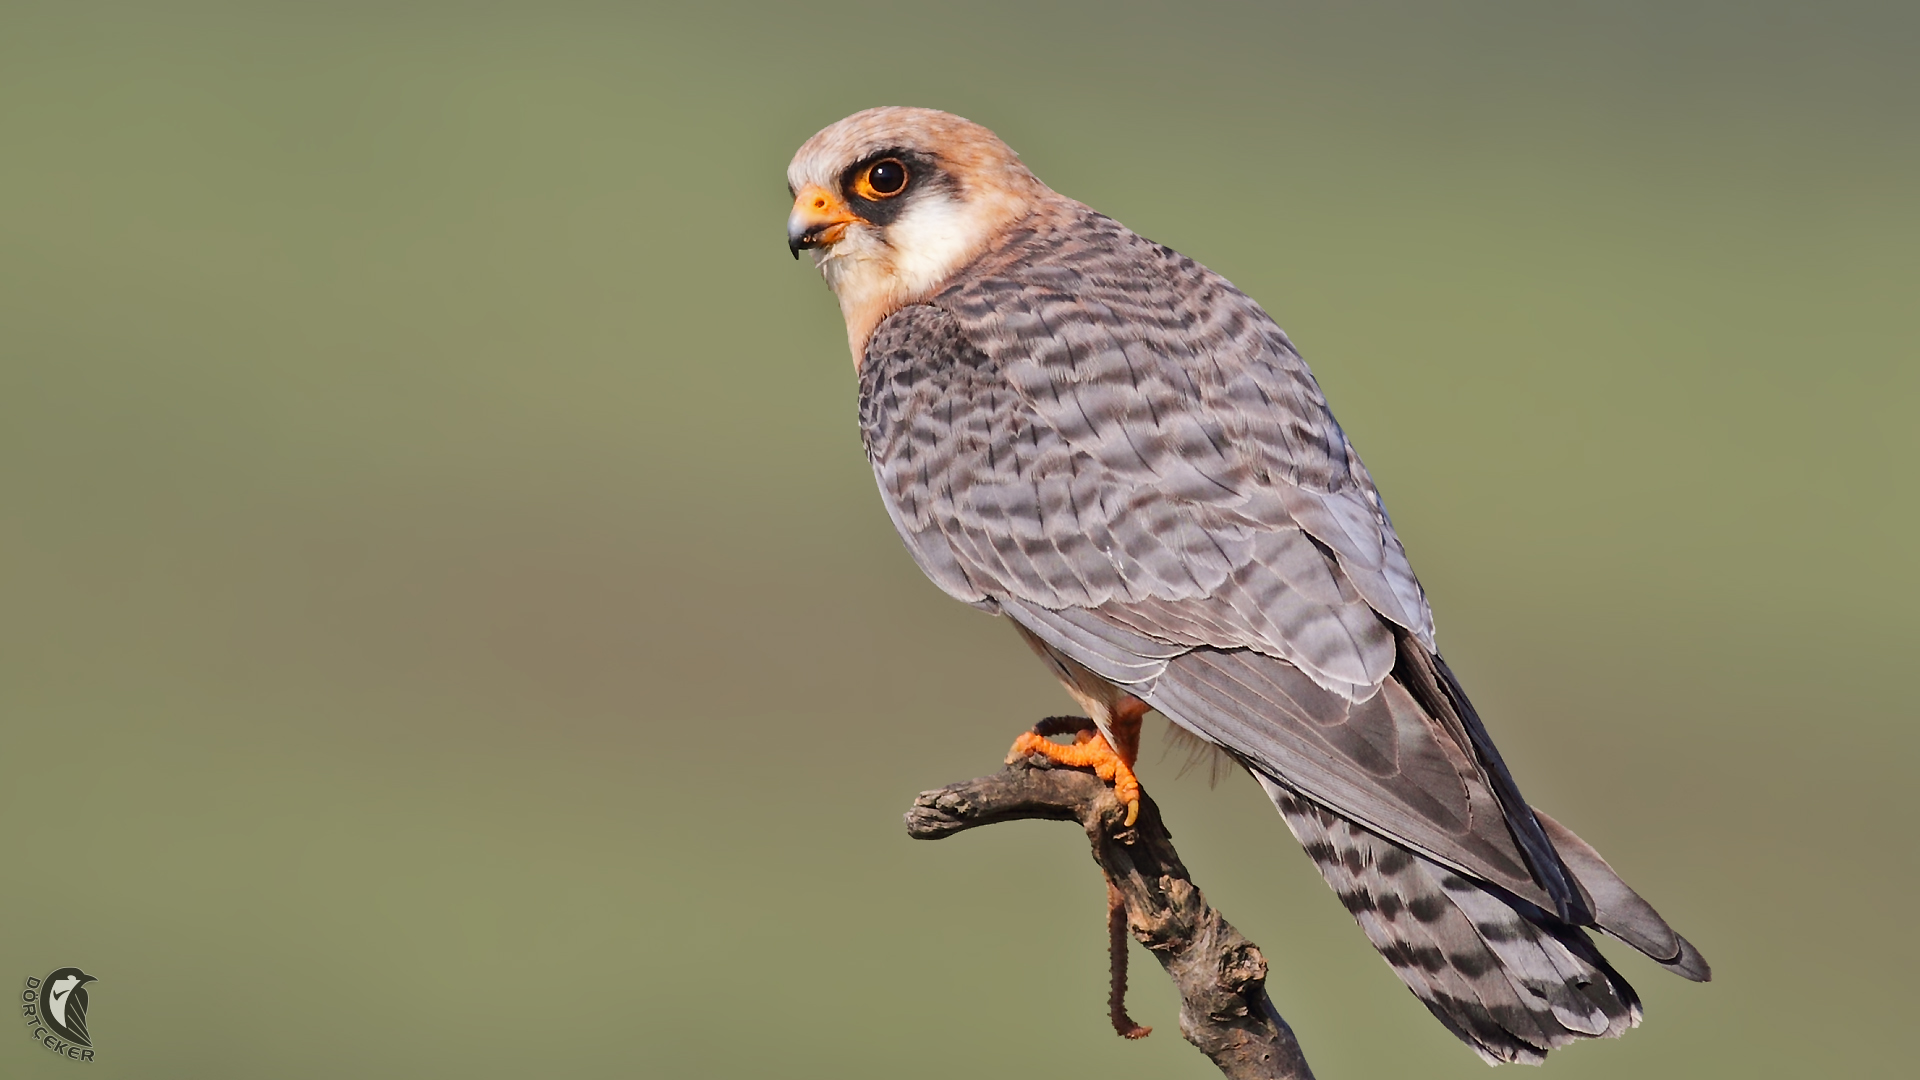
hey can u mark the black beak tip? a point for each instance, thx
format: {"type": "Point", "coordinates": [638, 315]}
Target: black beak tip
{"type": "Point", "coordinates": [794, 245]}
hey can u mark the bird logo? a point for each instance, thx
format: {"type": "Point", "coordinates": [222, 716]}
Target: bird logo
{"type": "Point", "coordinates": [65, 1005]}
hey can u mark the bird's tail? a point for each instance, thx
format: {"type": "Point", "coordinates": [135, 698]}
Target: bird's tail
{"type": "Point", "coordinates": [1511, 980]}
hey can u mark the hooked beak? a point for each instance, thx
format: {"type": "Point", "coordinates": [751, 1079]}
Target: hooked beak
{"type": "Point", "coordinates": [818, 219]}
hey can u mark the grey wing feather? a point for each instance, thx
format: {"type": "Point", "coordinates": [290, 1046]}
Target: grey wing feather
{"type": "Point", "coordinates": [1620, 911]}
{"type": "Point", "coordinates": [1382, 761]}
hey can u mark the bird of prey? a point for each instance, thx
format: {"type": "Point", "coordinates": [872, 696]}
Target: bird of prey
{"type": "Point", "coordinates": [66, 1009]}
{"type": "Point", "coordinates": [1107, 443]}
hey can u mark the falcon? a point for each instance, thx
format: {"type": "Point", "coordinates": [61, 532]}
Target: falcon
{"type": "Point", "coordinates": [1107, 443]}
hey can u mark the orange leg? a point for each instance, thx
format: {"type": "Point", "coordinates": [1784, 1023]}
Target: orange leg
{"type": "Point", "coordinates": [1090, 749]}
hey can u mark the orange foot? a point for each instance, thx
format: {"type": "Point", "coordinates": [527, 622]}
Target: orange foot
{"type": "Point", "coordinates": [1089, 750]}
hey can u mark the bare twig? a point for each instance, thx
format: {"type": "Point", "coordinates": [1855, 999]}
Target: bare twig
{"type": "Point", "coordinates": [1221, 975]}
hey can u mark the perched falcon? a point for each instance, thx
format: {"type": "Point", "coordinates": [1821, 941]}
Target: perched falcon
{"type": "Point", "coordinates": [1107, 443]}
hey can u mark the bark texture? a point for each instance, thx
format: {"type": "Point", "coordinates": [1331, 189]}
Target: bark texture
{"type": "Point", "coordinates": [1221, 976]}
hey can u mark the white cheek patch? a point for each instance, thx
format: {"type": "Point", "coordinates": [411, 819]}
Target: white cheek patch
{"type": "Point", "coordinates": [931, 239]}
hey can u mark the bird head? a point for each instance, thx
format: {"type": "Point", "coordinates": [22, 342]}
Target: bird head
{"type": "Point", "coordinates": [892, 201]}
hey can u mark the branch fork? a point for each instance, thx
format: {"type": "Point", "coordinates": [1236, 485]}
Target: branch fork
{"type": "Point", "coordinates": [1221, 976]}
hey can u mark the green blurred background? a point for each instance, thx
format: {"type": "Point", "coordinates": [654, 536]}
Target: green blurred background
{"type": "Point", "coordinates": [448, 628]}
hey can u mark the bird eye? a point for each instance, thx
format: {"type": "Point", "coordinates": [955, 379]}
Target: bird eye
{"type": "Point", "coordinates": [882, 180]}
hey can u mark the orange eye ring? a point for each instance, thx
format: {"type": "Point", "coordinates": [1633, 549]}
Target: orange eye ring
{"type": "Point", "coordinates": [882, 180]}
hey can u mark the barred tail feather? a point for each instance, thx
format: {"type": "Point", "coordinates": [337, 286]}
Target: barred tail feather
{"type": "Point", "coordinates": [1508, 978]}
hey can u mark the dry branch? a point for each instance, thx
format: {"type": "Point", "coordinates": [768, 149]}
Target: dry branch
{"type": "Point", "coordinates": [1221, 975]}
